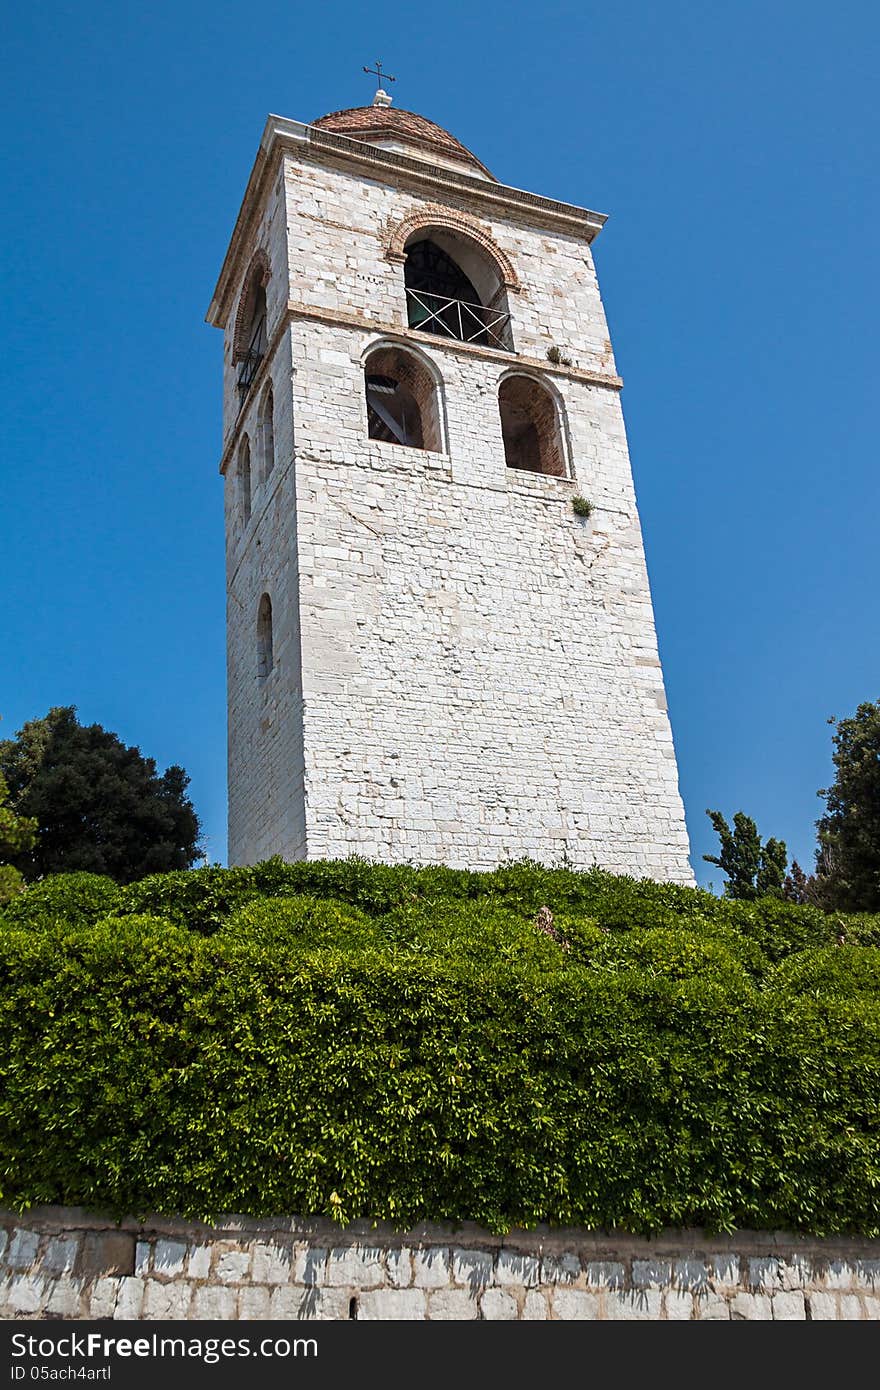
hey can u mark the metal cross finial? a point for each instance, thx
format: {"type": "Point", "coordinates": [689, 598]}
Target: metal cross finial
{"type": "Point", "coordinates": [377, 72]}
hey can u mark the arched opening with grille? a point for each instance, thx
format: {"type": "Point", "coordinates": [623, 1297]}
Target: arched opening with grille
{"type": "Point", "coordinates": [454, 289]}
{"type": "Point", "coordinates": [243, 476]}
{"type": "Point", "coordinates": [267, 433]}
{"type": "Point", "coordinates": [531, 427]}
{"type": "Point", "coordinates": [403, 399]}
{"type": "Point", "coordinates": [265, 648]}
{"type": "Point", "coordinates": [250, 338]}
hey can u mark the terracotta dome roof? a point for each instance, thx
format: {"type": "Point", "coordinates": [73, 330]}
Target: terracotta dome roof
{"type": "Point", "coordinates": [374, 124]}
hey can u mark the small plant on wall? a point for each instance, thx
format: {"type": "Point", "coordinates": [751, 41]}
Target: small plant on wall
{"type": "Point", "coordinates": [558, 357]}
{"type": "Point", "coordinates": [581, 506]}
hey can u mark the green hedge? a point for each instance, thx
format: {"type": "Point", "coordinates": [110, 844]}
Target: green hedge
{"type": "Point", "coordinates": [404, 1044]}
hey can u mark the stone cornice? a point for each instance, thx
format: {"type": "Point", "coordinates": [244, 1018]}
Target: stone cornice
{"type": "Point", "coordinates": [298, 313]}
{"type": "Point", "coordinates": [387, 166]}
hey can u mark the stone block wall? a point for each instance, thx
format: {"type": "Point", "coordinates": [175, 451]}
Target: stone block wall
{"type": "Point", "coordinates": [64, 1263]}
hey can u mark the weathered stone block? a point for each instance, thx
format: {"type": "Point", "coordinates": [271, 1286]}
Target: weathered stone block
{"type": "Point", "coordinates": [169, 1258]}
{"type": "Point", "coordinates": [198, 1262]}
{"type": "Point", "coordinates": [400, 1268]}
{"type": "Point", "coordinates": [712, 1307]}
{"type": "Point", "coordinates": [560, 1269]}
{"type": "Point", "coordinates": [764, 1274]}
{"type": "Point", "coordinates": [691, 1274]}
{"type": "Point", "coordinates": [452, 1305]}
{"type": "Point", "coordinates": [59, 1255]}
{"type": "Point", "coordinates": [213, 1303]}
{"type": "Point", "coordinates": [823, 1307]}
{"type": "Point", "coordinates": [129, 1298]}
{"type": "Point", "coordinates": [636, 1305]}
{"type": "Point", "coordinates": [254, 1303]}
{"type": "Point", "coordinates": [65, 1297]}
{"type": "Point", "coordinates": [678, 1305]}
{"type": "Point", "coordinates": [25, 1293]}
{"type": "Point", "coordinates": [512, 1268]}
{"type": "Point", "coordinates": [534, 1308]}
{"type": "Point", "coordinates": [106, 1252]}
{"type": "Point", "coordinates": [498, 1306]}
{"type": "Point", "coordinates": [311, 1266]}
{"type": "Point", "coordinates": [839, 1275]}
{"type": "Point", "coordinates": [430, 1268]}
{"type": "Point", "coordinates": [851, 1308]}
{"type": "Point", "coordinates": [397, 1305]}
{"type": "Point", "coordinates": [472, 1267]}
{"type": "Point", "coordinates": [651, 1274]}
{"type": "Point", "coordinates": [102, 1300]}
{"type": "Point", "coordinates": [604, 1274]}
{"type": "Point", "coordinates": [22, 1248]}
{"type": "Point", "coordinates": [788, 1306]}
{"type": "Point", "coordinates": [752, 1307]}
{"type": "Point", "coordinates": [272, 1264]}
{"type": "Point", "coordinates": [233, 1266]}
{"type": "Point", "coordinates": [358, 1265]}
{"type": "Point", "coordinates": [723, 1270]}
{"type": "Point", "coordinates": [166, 1300]}
{"type": "Point", "coordinates": [142, 1255]}
{"type": "Point", "coordinates": [574, 1305]}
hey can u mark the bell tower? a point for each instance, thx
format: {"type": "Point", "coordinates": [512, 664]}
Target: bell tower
{"type": "Point", "coordinates": [440, 637]}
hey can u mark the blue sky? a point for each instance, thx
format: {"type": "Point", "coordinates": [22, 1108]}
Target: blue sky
{"type": "Point", "coordinates": [734, 148]}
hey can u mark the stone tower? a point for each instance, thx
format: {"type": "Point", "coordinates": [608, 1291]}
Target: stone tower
{"type": "Point", "coordinates": [433, 654]}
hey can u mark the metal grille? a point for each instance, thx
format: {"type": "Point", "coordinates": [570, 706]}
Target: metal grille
{"type": "Point", "coordinates": [453, 318]}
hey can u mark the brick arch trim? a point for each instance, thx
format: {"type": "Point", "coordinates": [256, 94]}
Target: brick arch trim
{"type": "Point", "coordinates": [259, 264]}
{"type": "Point", "coordinates": [435, 215]}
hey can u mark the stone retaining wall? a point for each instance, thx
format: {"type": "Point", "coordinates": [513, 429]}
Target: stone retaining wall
{"type": "Point", "coordinates": [65, 1263]}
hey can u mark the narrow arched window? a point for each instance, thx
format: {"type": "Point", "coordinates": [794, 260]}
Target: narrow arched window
{"type": "Point", "coordinates": [530, 427]}
{"type": "Point", "coordinates": [267, 432]}
{"type": "Point", "coordinates": [265, 653]}
{"type": "Point", "coordinates": [244, 481]}
{"type": "Point", "coordinates": [454, 291]}
{"type": "Point", "coordinates": [402, 400]}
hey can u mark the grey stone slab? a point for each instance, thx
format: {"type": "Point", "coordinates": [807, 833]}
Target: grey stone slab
{"type": "Point", "coordinates": [22, 1248]}
{"type": "Point", "coordinates": [169, 1258]}
{"type": "Point", "coordinates": [574, 1305]}
{"type": "Point", "coordinates": [452, 1305]}
{"type": "Point", "coordinates": [107, 1252]}
{"type": "Point", "coordinates": [474, 1268]}
{"type": "Point", "coordinates": [788, 1306]}
{"type": "Point", "coordinates": [635, 1305]}
{"type": "Point", "coordinates": [498, 1306]}
{"type": "Point", "coordinates": [512, 1268]}
{"type": "Point", "coordinates": [651, 1274]}
{"type": "Point", "coordinates": [393, 1305]}
{"type": "Point", "coordinates": [129, 1298]}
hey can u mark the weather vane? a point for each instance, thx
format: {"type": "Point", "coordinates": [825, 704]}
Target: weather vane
{"type": "Point", "coordinates": [377, 72]}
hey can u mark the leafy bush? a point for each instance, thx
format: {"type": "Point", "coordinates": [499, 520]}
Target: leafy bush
{"type": "Point", "coordinates": [78, 899]}
{"type": "Point", "coordinates": [408, 1044]}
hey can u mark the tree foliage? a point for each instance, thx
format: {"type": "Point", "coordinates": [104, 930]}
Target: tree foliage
{"type": "Point", "coordinates": [17, 835]}
{"type": "Point", "coordinates": [848, 856]}
{"type": "Point", "coordinates": [754, 870]}
{"type": "Point", "coordinates": [98, 805]}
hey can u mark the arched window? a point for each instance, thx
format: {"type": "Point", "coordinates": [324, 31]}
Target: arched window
{"type": "Point", "coordinates": [267, 432]}
{"type": "Point", "coordinates": [530, 427]}
{"type": "Point", "coordinates": [265, 656]}
{"type": "Point", "coordinates": [244, 481]}
{"type": "Point", "coordinates": [402, 399]}
{"type": "Point", "coordinates": [454, 290]}
{"type": "Point", "coordinates": [249, 344]}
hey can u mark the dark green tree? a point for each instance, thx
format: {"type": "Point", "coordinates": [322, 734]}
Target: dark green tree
{"type": "Point", "coordinates": [754, 870]}
{"type": "Point", "coordinates": [99, 806]}
{"type": "Point", "coordinates": [17, 834]}
{"type": "Point", "coordinates": [848, 856]}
